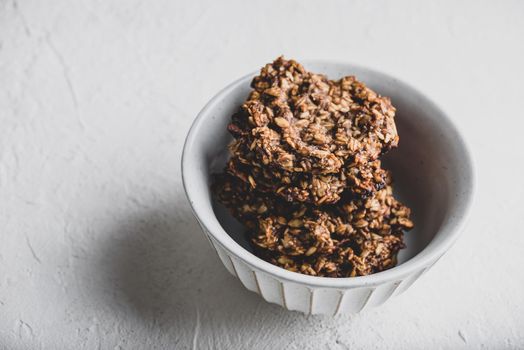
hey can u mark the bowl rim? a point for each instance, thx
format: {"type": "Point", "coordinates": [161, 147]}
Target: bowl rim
{"type": "Point", "coordinates": [422, 260]}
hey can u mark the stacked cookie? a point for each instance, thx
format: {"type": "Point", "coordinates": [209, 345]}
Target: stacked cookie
{"type": "Point", "coordinates": [305, 177]}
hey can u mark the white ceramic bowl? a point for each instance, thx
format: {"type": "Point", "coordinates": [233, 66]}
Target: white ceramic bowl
{"type": "Point", "coordinates": [433, 175]}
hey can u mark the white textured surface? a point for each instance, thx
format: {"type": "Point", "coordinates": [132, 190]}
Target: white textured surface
{"type": "Point", "coordinates": [98, 247]}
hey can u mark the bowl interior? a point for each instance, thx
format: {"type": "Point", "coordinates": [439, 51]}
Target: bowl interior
{"type": "Point", "coordinates": [431, 167]}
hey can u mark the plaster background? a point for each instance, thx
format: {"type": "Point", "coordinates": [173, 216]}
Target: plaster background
{"type": "Point", "coordinates": [98, 247]}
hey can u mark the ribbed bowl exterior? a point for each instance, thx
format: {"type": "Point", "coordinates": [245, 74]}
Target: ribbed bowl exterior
{"type": "Point", "coordinates": [310, 299]}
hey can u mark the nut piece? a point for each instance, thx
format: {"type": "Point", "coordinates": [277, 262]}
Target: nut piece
{"type": "Point", "coordinates": [281, 122]}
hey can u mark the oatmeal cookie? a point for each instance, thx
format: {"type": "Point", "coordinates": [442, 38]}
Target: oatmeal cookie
{"type": "Point", "coordinates": [301, 127]}
{"type": "Point", "coordinates": [355, 237]}
{"type": "Point", "coordinates": [305, 176]}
